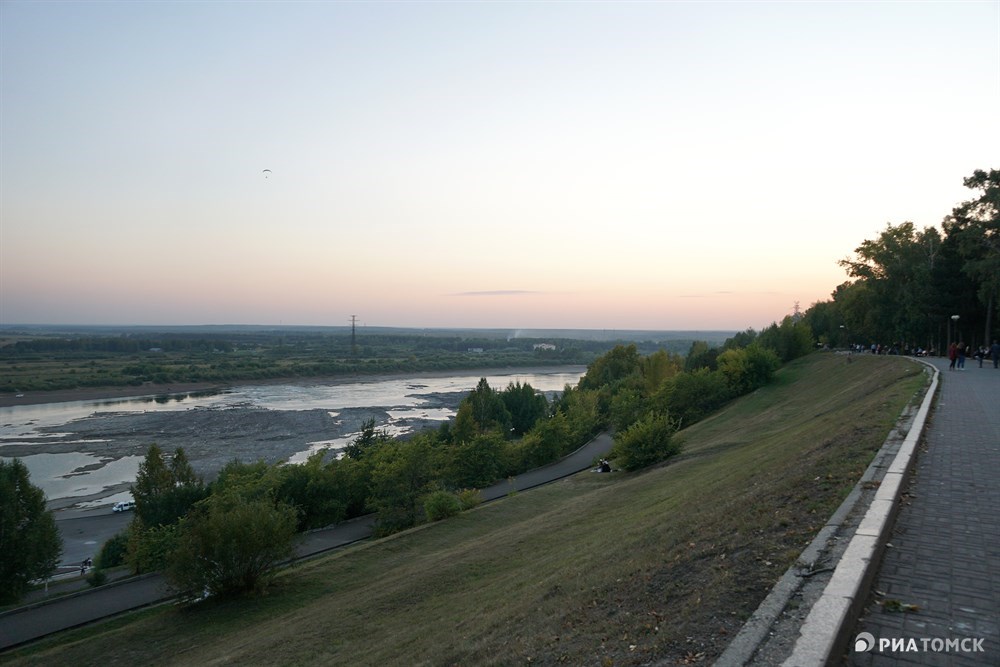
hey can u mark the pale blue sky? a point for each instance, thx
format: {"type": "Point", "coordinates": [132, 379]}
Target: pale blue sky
{"type": "Point", "coordinates": [603, 165]}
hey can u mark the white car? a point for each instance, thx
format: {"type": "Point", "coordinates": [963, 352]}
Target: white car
{"type": "Point", "coordinates": [124, 506]}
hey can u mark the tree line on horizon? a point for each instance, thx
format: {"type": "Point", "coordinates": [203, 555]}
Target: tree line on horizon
{"type": "Point", "coordinates": [922, 289]}
{"type": "Point", "coordinates": [51, 361]}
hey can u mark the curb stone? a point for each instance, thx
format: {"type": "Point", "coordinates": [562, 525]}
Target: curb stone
{"type": "Point", "coordinates": [805, 620]}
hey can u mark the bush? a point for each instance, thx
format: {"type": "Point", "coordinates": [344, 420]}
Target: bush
{"type": "Point", "coordinates": [690, 397]}
{"type": "Point", "coordinates": [627, 406]}
{"type": "Point", "coordinates": [544, 444]}
{"type": "Point", "coordinates": [469, 498]}
{"type": "Point", "coordinates": [229, 545]}
{"type": "Point", "coordinates": [477, 462]}
{"type": "Point", "coordinates": [97, 577]}
{"type": "Point", "coordinates": [648, 441]}
{"type": "Point", "coordinates": [748, 369]}
{"type": "Point", "coordinates": [114, 551]}
{"type": "Point", "coordinates": [149, 549]}
{"type": "Point", "coordinates": [441, 505]}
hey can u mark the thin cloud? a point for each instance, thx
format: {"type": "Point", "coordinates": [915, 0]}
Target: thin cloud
{"type": "Point", "coordinates": [730, 293]}
{"type": "Point", "coordinates": [498, 292]}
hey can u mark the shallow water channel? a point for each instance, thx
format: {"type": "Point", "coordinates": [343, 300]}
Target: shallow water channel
{"type": "Point", "coordinates": [86, 453]}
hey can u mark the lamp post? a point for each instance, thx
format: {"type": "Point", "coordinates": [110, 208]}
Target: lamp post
{"type": "Point", "coordinates": [843, 330]}
{"type": "Point", "coordinates": [954, 318]}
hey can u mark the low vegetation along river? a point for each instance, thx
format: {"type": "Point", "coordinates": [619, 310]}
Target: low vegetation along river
{"type": "Point", "coordinates": [86, 453]}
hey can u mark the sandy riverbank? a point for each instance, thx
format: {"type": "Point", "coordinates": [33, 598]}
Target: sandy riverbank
{"type": "Point", "coordinates": [10, 399]}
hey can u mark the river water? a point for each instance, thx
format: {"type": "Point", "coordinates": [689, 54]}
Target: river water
{"type": "Point", "coordinates": [91, 450]}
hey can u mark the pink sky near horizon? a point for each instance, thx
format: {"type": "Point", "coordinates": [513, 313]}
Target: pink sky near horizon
{"type": "Point", "coordinates": [529, 165]}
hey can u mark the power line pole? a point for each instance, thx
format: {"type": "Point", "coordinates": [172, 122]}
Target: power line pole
{"type": "Point", "coordinates": [354, 339]}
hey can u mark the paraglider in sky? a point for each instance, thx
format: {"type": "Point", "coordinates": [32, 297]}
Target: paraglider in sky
{"type": "Point", "coordinates": [267, 172]}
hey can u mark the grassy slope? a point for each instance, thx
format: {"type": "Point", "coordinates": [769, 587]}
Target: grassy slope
{"type": "Point", "coordinates": [596, 569]}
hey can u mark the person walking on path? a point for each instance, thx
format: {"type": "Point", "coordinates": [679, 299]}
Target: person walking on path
{"type": "Point", "coordinates": [961, 355]}
{"type": "Point", "coordinates": [995, 353]}
{"type": "Point", "coordinates": [952, 356]}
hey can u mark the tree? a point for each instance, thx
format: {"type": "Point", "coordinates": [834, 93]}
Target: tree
{"type": "Point", "coordinates": [897, 269]}
{"type": "Point", "coordinates": [367, 441]}
{"type": "Point", "coordinates": [627, 406]}
{"type": "Point", "coordinates": [312, 489]}
{"type": "Point", "coordinates": [545, 443]}
{"type": "Point", "coordinates": [690, 397]}
{"type": "Point", "coordinates": [525, 406]}
{"type": "Point", "coordinates": [659, 367]}
{"type": "Point", "coordinates": [29, 541]}
{"type": "Point", "coordinates": [791, 339]}
{"type": "Point", "coordinates": [740, 340]}
{"type": "Point", "coordinates": [230, 545]}
{"type": "Point", "coordinates": [152, 480]}
{"type": "Point", "coordinates": [700, 355]}
{"type": "Point", "coordinates": [827, 324]}
{"type": "Point", "coordinates": [580, 408]}
{"type": "Point", "coordinates": [478, 462]}
{"type": "Point", "coordinates": [487, 409]}
{"type": "Point", "coordinates": [976, 224]}
{"type": "Point", "coordinates": [401, 473]}
{"type": "Point", "coordinates": [181, 470]}
{"type": "Point", "coordinates": [616, 364]}
{"type": "Point", "coordinates": [164, 491]}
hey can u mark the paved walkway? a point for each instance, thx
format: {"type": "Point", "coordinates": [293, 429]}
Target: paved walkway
{"type": "Point", "coordinates": [945, 553]}
{"type": "Point", "coordinates": [38, 620]}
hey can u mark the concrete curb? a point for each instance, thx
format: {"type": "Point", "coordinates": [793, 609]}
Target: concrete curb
{"type": "Point", "coordinates": [823, 635]}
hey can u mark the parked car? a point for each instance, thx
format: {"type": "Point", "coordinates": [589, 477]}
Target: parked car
{"type": "Point", "coordinates": [124, 506]}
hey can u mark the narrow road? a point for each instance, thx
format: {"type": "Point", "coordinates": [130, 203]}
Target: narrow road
{"type": "Point", "coordinates": [44, 618]}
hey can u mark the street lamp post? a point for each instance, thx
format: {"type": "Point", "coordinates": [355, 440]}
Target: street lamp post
{"type": "Point", "coordinates": [954, 318]}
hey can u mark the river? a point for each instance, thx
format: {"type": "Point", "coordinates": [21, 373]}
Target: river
{"type": "Point", "coordinates": [86, 453]}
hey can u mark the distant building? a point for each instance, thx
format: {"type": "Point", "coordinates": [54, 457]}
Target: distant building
{"type": "Point", "coordinates": [544, 346]}
{"type": "Point", "coordinates": [476, 350]}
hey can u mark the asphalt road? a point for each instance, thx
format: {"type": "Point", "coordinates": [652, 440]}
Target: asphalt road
{"type": "Point", "coordinates": [84, 532]}
{"type": "Point", "coordinates": [34, 621]}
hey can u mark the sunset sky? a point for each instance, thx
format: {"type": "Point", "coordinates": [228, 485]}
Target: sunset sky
{"type": "Point", "coordinates": [653, 165]}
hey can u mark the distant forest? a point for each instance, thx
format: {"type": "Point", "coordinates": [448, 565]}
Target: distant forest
{"type": "Point", "coordinates": [36, 358]}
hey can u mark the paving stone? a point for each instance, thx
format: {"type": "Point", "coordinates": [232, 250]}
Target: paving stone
{"type": "Point", "coordinates": [945, 554]}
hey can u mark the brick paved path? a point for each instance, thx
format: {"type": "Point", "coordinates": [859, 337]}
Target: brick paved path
{"type": "Point", "coordinates": [945, 554]}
